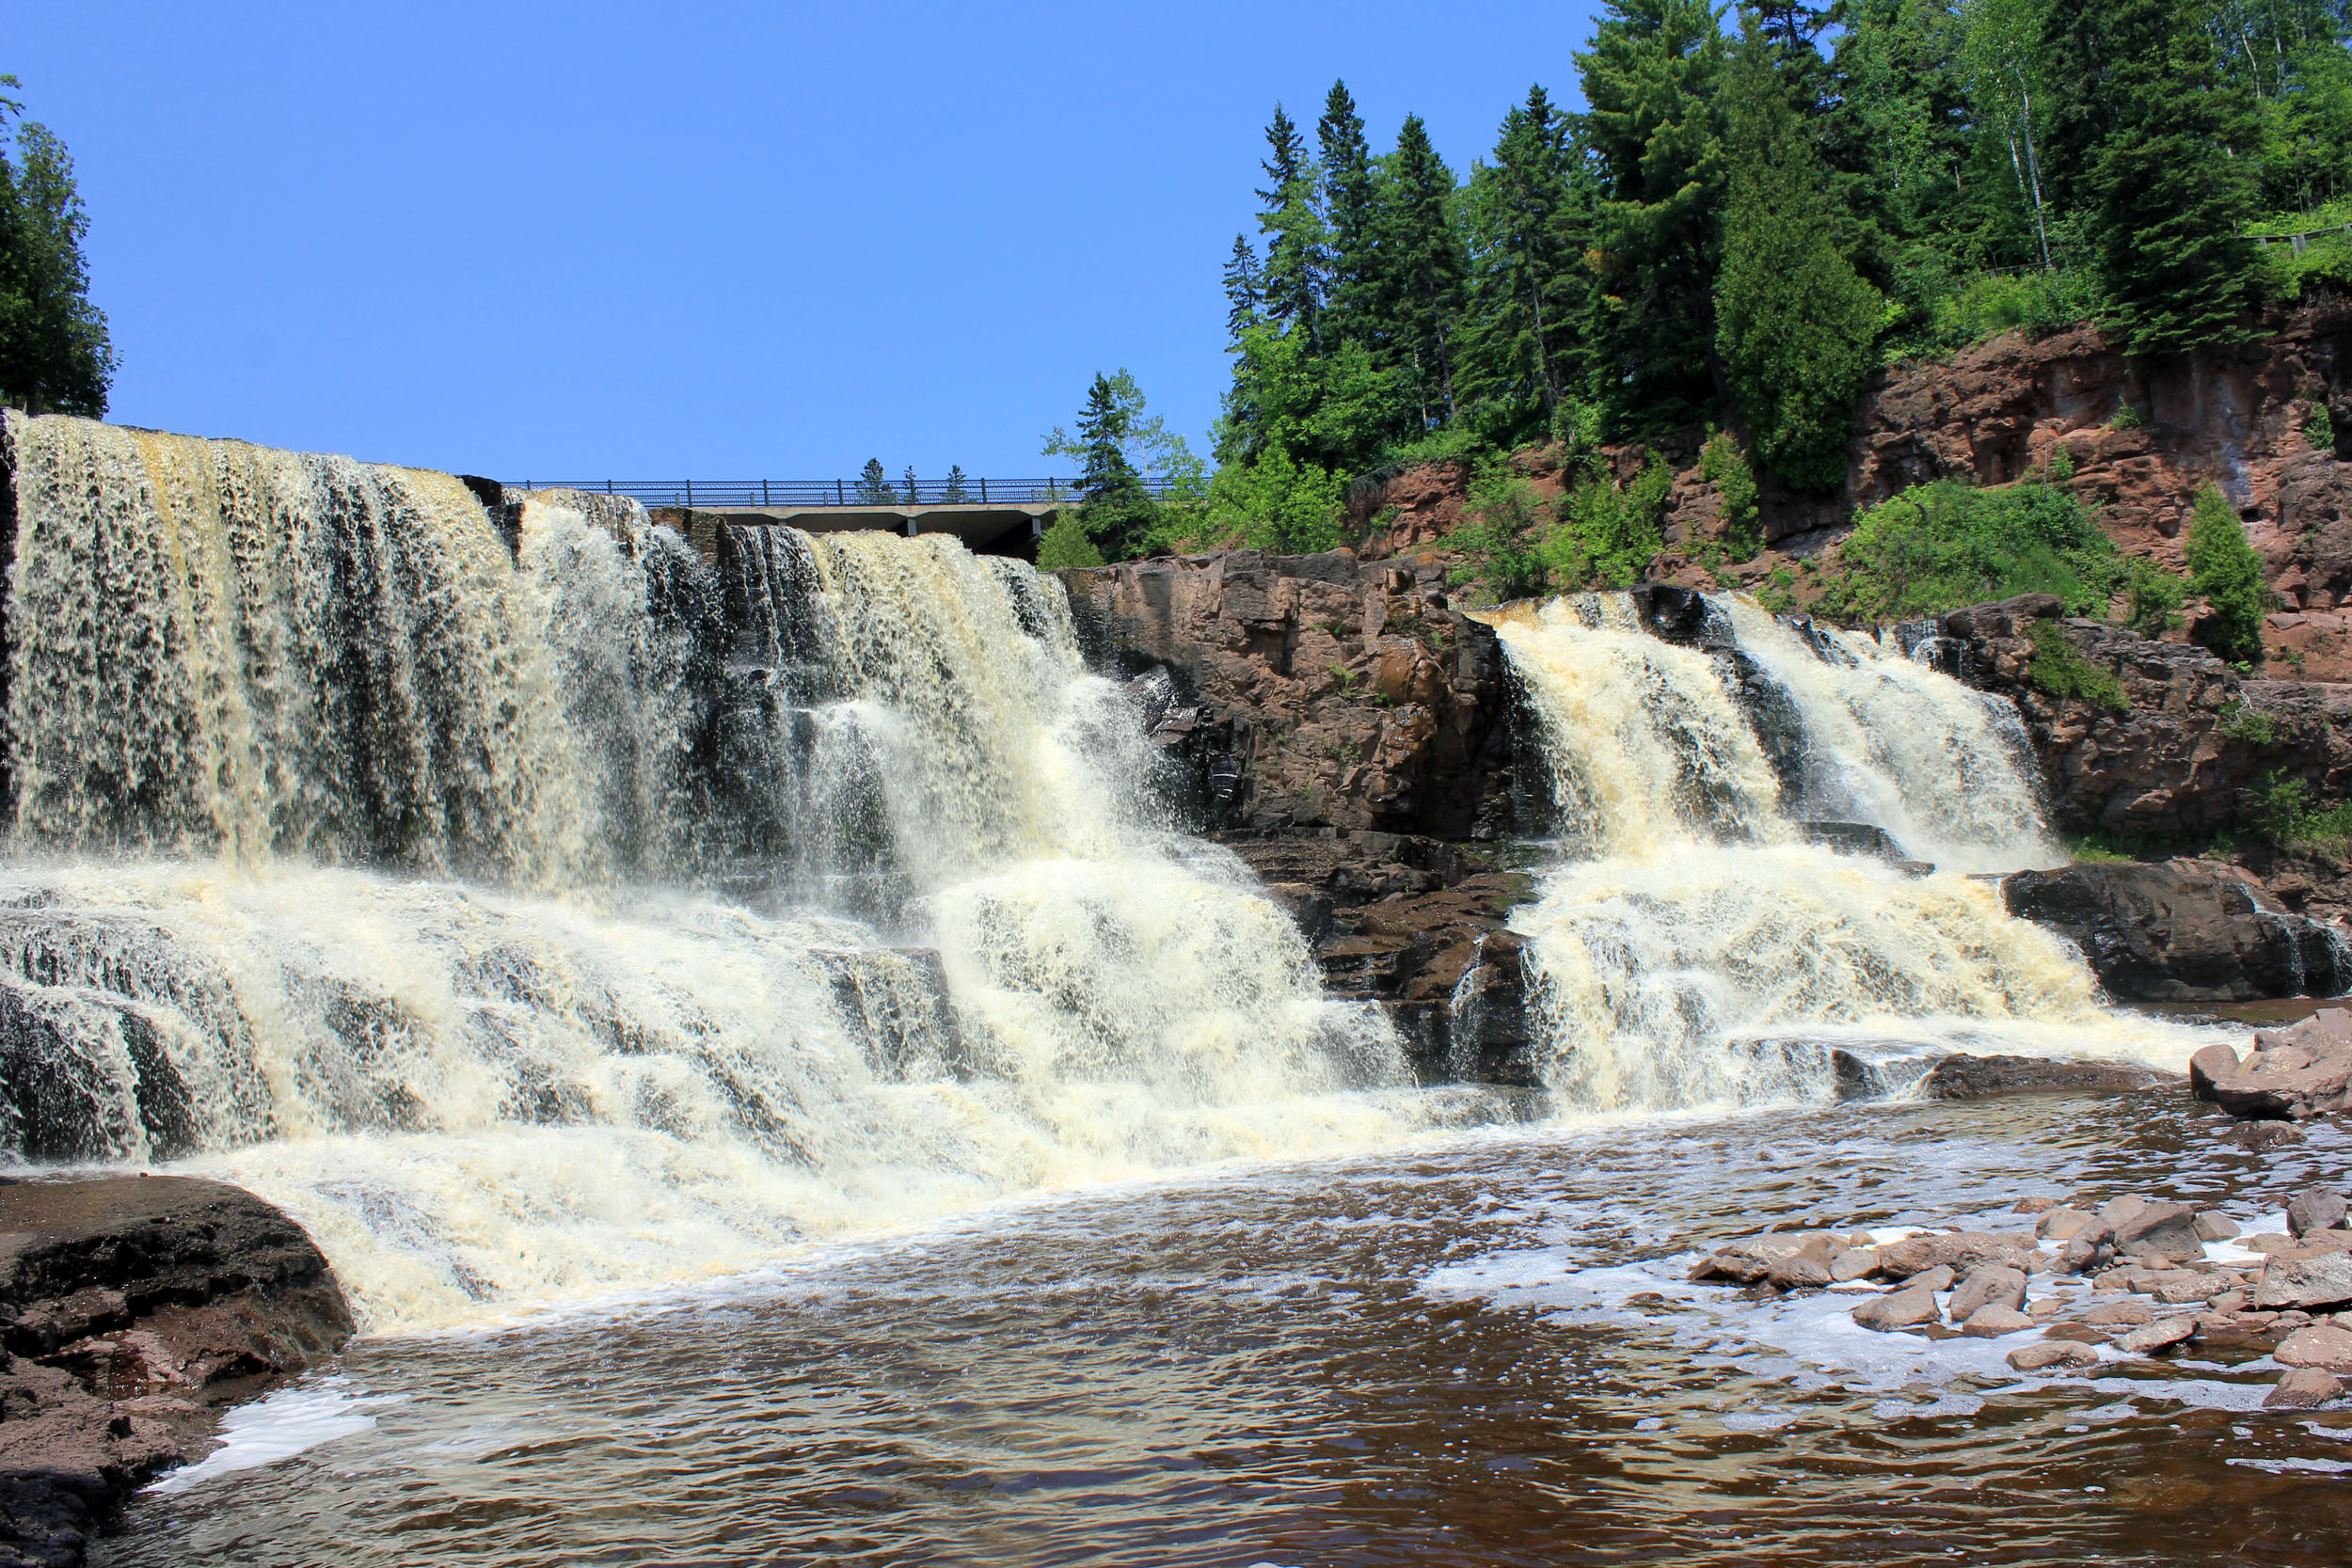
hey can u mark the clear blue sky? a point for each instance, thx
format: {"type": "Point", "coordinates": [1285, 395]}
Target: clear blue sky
{"type": "Point", "coordinates": [585, 240]}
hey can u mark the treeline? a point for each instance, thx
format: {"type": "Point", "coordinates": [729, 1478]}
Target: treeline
{"type": "Point", "coordinates": [1752, 213]}
{"type": "Point", "coordinates": [55, 355]}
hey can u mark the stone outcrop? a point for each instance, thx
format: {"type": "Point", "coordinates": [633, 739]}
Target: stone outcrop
{"type": "Point", "coordinates": [1965, 1077]}
{"type": "Point", "coordinates": [2292, 1074]}
{"type": "Point", "coordinates": [1349, 733]}
{"type": "Point", "coordinates": [2182, 932]}
{"type": "Point", "coordinates": [130, 1308]}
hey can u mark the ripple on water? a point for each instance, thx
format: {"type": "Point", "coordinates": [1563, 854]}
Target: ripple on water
{"type": "Point", "coordinates": [1474, 1351]}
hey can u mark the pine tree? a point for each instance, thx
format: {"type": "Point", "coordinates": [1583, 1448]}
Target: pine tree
{"type": "Point", "coordinates": [1291, 279]}
{"type": "Point", "coordinates": [1653, 131]}
{"type": "Point", "coordinates": [1794, 322]}
{"type": "Point", "coordinates": [873, 484]}
{"type": "Point", "coordinates": [1353, 284]}
{"type": "Point", "coordinates": [55, 354]}
{"type": "Point", "coordinates": [1526, 235]}
{"type": "Point", "coordinates": [1423, 271]}
{"type": "Point", "coordinates": [2156, 147]}
{"type": "Point", "coordinates": [1114, 508]}
{"type": "Point", "coordinates": [2225, 569]}
{"type": "Point", "coordinates": [956, 481]}
{"type": "Point", "coordinates": [1243, 296]}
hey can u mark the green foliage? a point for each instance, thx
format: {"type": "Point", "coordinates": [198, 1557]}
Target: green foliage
{"type": "Point", "coordinates": [955, 490]}
{"type": "Point", "coordinates": [1115, 444]}
{"type": "Point", "coordinates": [1779, 593]}
{"type": "Point", "coordinates": [2239, 721]}
{"type": "Point", "coordinates": [1959, 312]}
{"type": "Point", "coordinates": [1524, 220]}
{"type": "Point", "coordinates": [874, 486]}
{"type": "Point", "coordinates": [2157, 596]}
{"type": "Point", "coordinates": [1938, 546]}
{"type": "Point", "coordinates": [1278, 503]}
{"type": "Point", "coordinates": [2319, 427]}
{"type": "Point", "coordinates": [2061, 465]}
{"type": "Point", "coordinates": [2126, 416]}
{"type": "Point", "coordinates": [2099, 849]}
{"type": "Point", "coordinates": [1795, 324]}
{"type": "Point", "coordinates": [2059, 669]}
{"type": "Point", "coordinates": [2285, 811]}
{"type": "Point", "coordinates": [1608, 533]}
{"type": "Point", "coordinates": [1493, 537]}
{"type": "Point", "coordinates": [54, 354]}
{"type": "Point", "coordinates": [2145, 146]}
{"type": "Point", "coordinates": [2227, 571]}
{"type": "Point", "coordinates": [1067, 544]}
{"type": "Point", "coordinates": [1721, 462]}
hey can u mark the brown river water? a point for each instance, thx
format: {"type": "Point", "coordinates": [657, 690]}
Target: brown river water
{"type": "Point", "coordinates": [1474, 1349]}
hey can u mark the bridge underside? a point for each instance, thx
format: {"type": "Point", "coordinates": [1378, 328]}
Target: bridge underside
{"type": "Point", "coordinates": [994, 529]}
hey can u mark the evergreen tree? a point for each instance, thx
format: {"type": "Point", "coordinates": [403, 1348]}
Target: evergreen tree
{"type": "Point", "coordinates": [1291, 279]}
{"type": "Point", "coordinates": [1243, 294]}
{"type": "Point", "coordinates": [1794, 322]}
{"type": "Point", "coordinates": [1654, 136]}
{"type": "Point", "coordinates": [1897, 138]}
{"type": "Point", "coordinates": [1423, 271]}
{"type": "Point", "coordinates": [2157, 148]}
{"type": "Point", "coordinates": [1526, 232]}
{"type": "Point", "coordinates": [1114, 509]}
{"type": "Point", "coordinates": [2002, 57]}
{"type": "Point", "coordinates": [1353, 285]}
{"type": "Point", "coordinates": [955, 490]}
{"type": "Point", "coordinates": [55, 354]}
{"type": "Point", "coordinates": [873, 484]}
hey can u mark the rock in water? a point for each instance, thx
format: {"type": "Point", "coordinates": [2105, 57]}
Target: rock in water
{"type": "Point", "coordinates": [1992, 1321]}
{"type": "Point", "coordinates": [1992, 1286]}
{"type": "Point", "coordinates": [2323, 1345]}
{"type": "Point", "coordinates": [2314, 1208]}
{"type": "Point", "coordinates": [2162, 1335]}
{"type": "Point", "coordinates": [1984, 1077]}
{"type": "Point", "coordinates": [2301, 1389]}
{"type": "Point", "coordinates": [2318, 1284]}
{"type": "Point", "coordinates": [2165, 1230]}
{"type": "Point", "coordinates": [1902, 1308]}
{"type": "Point", "coordinates": [2173, 933]}
{"type": "Point", "coordinates": [2293, 1073]}
{"type": "Point", "coordinates": [2213, 1226]}
{"type": "Point", "coordinates": [2052, 1353]}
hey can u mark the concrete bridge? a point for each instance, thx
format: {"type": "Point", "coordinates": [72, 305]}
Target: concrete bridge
{"type": "Point", "coordinates": [997, 517]}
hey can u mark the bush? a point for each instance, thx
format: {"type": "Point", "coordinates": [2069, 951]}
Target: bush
{"type": "Point", "coordinates": [1721, 462]}
{"type": "Point", "coordinates": [1941, 546]}
{"type": "Point", "coordinates": [1067, 544]}
{"type": "Point", "coordinates": [2319, 428]}
{"type": "Point", "coordinates": [2283, 812]}
{"type": "Point", "coordinates": [1607, 534]}
{"type": "Point", "coordinates": [1278, 503]}
{"type": "Point", "coordinates": [1493, 538]}
{"type": "Point", "coordinates": [2059, 669]}
{"type": "Point", "coordinates": [1972, 310]}
{"type": "Point", "coordinates": [2239, 721]}
{"type": "Point", "coordinates": [2157, 596]}
{"type": "Point", "coordinates": [2225, 569]}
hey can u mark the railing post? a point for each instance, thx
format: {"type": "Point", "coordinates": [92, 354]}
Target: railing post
{"type": "Point", "coordinates": [836, 493]}
{"type": "Point", "coordinates": [763, 492]}
{"type": "Point", "coordinates": [983, 492]}
{"type": "Point", "coordinates": [689, 494]}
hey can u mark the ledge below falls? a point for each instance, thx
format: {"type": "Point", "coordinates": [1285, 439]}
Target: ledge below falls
{"type": "Point", "coordinates": [131, 1308]}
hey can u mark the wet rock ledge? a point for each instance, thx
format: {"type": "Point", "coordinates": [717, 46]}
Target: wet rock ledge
{"type": "Point", "coordinates": [132, 1308]}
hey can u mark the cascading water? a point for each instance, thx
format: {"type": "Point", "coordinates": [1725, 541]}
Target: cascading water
{"type": "Point", "coordinates": [1692, 947]}
{"type": "Point", "coordinates": [266, 709]}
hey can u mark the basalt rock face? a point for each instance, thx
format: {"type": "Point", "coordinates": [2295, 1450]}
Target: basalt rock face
{"type": "Point", "coordinates": [129, 1306]}
{"type": "Point", "coordinates": [1350, 735]}
{"type": "Point", "coordinates": [2182, 932]}
{"type": "Point", "coordinates": [2196, 741]}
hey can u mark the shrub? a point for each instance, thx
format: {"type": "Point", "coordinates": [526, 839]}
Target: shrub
{"type": "Point", "coordinates": [2059, 669]}
{"type": "Point", "coordinates": [2319, 428]}
{"type": "Point", "coordinates": [2126, 417]}
{"type": "Point", "coordinates": [2283, 812]}
{"type": "Point", "coordinates": [1938, 546]}
{"type": "Point", "coordinates": [2061, 465]}
{"type": "Point", "coordinates": [1608, 533]}
{"type": "Point", "coordinates": [1721, 462]}
{"type": "Point", "coordinates": [1972, 310]}
{"type": "Point", "coordinates": [2157, 596]}
{"type": "Point", "coordinates": [1278, 503]}
{"type": "Point", "coordinates": [2225, 569]}
{"type": "Point", "coordinates": [1067, 544]}
{"type": "Point", "coordinates": [2239, 721]}
{"type": "Point", "coordinates": [1493, 538]}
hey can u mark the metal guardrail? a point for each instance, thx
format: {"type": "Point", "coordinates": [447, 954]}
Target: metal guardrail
{"type": "Point", "coordinates": [843, 492]}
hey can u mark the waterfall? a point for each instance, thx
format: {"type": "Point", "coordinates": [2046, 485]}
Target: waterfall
{"type": "Point", "coordinates": [1691, 947]}
{"type": "Point", "coordinates": [534, 909]}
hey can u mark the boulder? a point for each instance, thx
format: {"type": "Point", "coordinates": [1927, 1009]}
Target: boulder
{"type": "Point", "coordinates": [2293, 1074]}
{"type": "Point", "coordinates": [2317, 1284]}
{"type": "Point", "coordinates": [2314, 1208]}
{"type": "Point", "coordinates": [2166, 1230]}
{"type": "Point", "coordinates": [2214, 1226]}
{"type": "Point", "coordinates": [1752, 1258]}
{"type": "Point", "coordinates": [2119, 1314]}
{"type": "Point", "coordinates": [128, 1306]}
{"type": "Point", "coordinates": [2161, 1335]}
{"type": "Point", "coordinates": [2117, 1209]}
{"type": "Point", "coordinates": [1962, 1249]}
{"type": "Point", "coordinates": [2089, 1247]}
{"type": "Point", "coordinates": [1853, 1264]}
{"type": "Point", "coordinates": [1904, 1308]}
{"type": "Point", "coordinates": [2321, 1345]}
{"type": "Point", "coordinates": [1989, 1286]}
{"type": "Point", "coordinates": [2179, 932]}
{"type": "Point", "coordinates": [1963, 1077]}
{"type": "Point", "coordinates": [2301, 1389]}
{"type": "Point", "coordinates": [1992, 1321]}
{"type": "Point", "coordinates": [2062, 1225]}
{"type": "Point", "coordinates": [2052, 1354]}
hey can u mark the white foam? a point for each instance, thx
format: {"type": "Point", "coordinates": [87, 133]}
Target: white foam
{"type": "Point", "coordinates": [277, 1426]}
